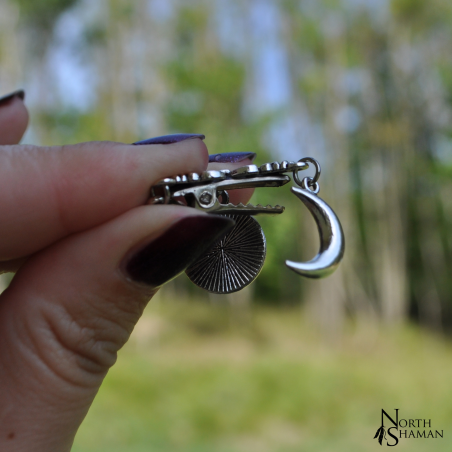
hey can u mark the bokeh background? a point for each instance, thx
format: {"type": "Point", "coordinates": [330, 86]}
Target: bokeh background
{"type": "Point", "coordinates": [365, 87]}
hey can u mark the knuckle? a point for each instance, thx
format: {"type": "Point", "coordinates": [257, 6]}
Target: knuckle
{"type": "Point", "coordinates": [81, 341]}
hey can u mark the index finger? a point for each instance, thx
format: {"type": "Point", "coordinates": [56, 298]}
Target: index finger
{"type": "Point", "coordinates": [49, 193]}
{"type": "Point", "coordinates": [13, 117]}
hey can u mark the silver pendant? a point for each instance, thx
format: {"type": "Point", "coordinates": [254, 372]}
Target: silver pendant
{"type": "Point", "coordinates": [236, 260]}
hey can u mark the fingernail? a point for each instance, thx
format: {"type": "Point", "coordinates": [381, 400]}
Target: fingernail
{"type": "Point", "coordinates": [169, 139]}
{"type": "Point", "coordinates": [5, 99]}
{"type": "Point", "coordinates": [232, 157]}
{"type": "Point", "coordinates": [179, 246]}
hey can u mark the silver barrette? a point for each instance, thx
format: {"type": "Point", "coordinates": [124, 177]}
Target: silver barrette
{"type": "Point", "coordinates": [237, 259]}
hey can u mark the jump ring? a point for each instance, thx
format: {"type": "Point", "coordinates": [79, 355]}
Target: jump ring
{"type": "Point", "coordinates": [297, 179]}
{"type": "Point", "coordinates": [318, 169]}
{"type": "Point", "coordinates": [308, 184]}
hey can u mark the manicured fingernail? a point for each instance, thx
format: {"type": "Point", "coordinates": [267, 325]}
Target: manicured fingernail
{"type": "Point", "coordinates": [232, 157]}
{"type": "Point", "coordinates": [179, 246]}
{"type": "Point", "coordinates": [6, 99]}
{"type": "Point", "coordinates": [169, 139]}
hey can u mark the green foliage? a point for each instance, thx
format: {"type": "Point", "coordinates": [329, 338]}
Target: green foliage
{"type": "Point", "coordinates": [63, 125]}
{"type": "Point", "coordinates": [279, 390]}
{"type": "Point", "coordinates": [306, 35]}
{"type": "Point", "coordinates": [43, 13]}
{"type": "Point", "coordinates": [420, 15]}
{"type": "Point", "coordinates": [207, 88]}
{"type": "Point", "coordinates": [389, 176]}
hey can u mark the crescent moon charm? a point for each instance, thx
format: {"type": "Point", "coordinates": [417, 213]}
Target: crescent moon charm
{"type": "Point", "coordinates": [332, 241]}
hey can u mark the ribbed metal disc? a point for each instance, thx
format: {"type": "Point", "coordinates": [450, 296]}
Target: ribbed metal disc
{"type": "Point", "coordinates": [235, 261]}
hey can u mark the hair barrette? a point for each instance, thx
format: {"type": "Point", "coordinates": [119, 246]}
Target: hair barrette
{"type": "Point", "coordinates": [237, 259]}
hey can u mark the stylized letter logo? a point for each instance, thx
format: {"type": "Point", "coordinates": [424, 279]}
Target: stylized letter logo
{"type": "Point", "coordinates": [381, 432]}
{"type": "Point", "coordinates": [395, 437]}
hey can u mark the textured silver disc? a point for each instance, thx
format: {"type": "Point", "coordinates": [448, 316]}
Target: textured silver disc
{"type": "Point", "coordinates": [233, 262]}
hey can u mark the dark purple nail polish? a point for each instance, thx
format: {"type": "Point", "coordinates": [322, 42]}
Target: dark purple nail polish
{"type": "Point", "coordinates": [169, 139]}
{"type": "Point", "coordinates": [231, 157]}
{"type": "Point", "coordinates": [6, 99]}
{"type": "Point", "coordinates": [178, 247]}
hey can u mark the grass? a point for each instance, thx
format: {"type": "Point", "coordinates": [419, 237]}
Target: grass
{"type": "Point", "coordinates": [206, 378]}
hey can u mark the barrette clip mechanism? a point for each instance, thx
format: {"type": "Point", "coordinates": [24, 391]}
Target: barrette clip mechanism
{"type": "Point", "coordinates": [214, 198]}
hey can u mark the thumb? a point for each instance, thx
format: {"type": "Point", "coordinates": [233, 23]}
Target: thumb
{"type": "Point", "coordinates": [72, 306]}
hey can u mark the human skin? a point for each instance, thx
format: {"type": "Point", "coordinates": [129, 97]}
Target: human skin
{"type": "Point", "coordinates": [71, 219]}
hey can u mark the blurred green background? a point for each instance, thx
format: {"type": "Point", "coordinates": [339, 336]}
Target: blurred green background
{"type": "Point", "coordinates": [365, 87]}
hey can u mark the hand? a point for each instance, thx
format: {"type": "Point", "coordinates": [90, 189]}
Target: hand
{"type": "Point", "coordinates": [89, 254]}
